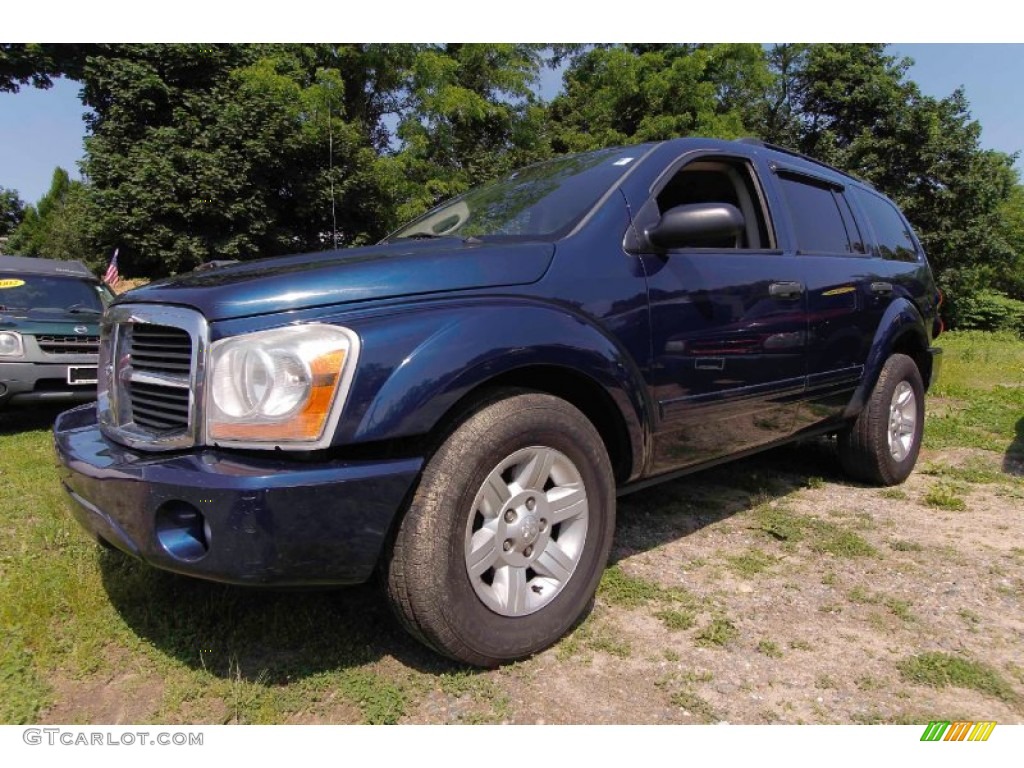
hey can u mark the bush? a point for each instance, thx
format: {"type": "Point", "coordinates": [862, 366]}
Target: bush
{"type": "Point", "coordinates": [985, 310]}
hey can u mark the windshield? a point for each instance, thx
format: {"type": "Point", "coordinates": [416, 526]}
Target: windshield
{"type": "Point", "coordinates": [56, 294]}
{"type": "Point", "coordinates": [542, 201]}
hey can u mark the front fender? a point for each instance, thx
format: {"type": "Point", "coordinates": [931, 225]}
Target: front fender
{"type": "Point", "coordinates": [901, 319]}
{"type": "Point", "coordinates": [418, 364]}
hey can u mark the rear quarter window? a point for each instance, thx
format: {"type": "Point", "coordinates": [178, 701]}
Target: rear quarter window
{"type": "Point", "coordinates": [893, 237]}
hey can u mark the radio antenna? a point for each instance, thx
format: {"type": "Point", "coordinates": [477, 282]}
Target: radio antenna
{"type": "Point", "coordinates": [330, 171]}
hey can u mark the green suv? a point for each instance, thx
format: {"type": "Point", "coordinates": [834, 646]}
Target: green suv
{"type": "Point", "coordinates": [49, 330]}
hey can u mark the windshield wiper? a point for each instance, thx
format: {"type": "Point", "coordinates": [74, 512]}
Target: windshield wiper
{"type": "Point", "coordinates": [420, 236]}
{"type": "Point", "coordinates": [81, 309]}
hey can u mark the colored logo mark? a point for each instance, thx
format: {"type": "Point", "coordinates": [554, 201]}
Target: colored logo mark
{"type": "Point", "coordinates": [958, 730]}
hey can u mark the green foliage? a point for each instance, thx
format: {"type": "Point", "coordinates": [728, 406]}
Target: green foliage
{"type": "Point", "coordinates": [942, 669]}
{"type": "Point", "coordinates": [59, 225]}
{"type": "Point", "coordinates": [620, 94]}
{"type": "Point", "coordinates": [985, 310]}
{"type": "Point", "coordinates": [718, 633]}
{"type": "Point", "coordinates": [12, 211]}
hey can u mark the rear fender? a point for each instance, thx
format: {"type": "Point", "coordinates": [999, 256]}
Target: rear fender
{"type": "Point", "coordinates": [902, 327]}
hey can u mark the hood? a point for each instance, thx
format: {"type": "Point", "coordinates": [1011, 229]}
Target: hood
{"type": "Point", "coordinates": [35, 322]}
{"type": "Point", "coordinates": [349, 275]}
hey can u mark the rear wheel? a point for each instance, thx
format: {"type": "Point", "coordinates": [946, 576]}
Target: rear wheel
{"type": "Point", "coordinates": [882, 445]}
{"type": "Point", "coordinates": [507, 535]}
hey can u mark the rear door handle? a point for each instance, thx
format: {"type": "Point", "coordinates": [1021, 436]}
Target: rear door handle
{"type": "Point", "coordinates": [881, 288]}
{"type": "Point", "coordinates": [786, 289]}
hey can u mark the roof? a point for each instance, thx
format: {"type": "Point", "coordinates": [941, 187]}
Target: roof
{"type": "Point", "coordinates": [44, 266]}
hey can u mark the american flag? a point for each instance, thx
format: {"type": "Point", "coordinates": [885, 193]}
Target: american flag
{"type": "Point", "coordinates": [110, 277]}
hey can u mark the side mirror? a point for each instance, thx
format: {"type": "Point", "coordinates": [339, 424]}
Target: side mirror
{"type": "Point", "coordinates": [692, 225]}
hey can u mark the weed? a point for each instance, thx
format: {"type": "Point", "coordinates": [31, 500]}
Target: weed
{"type": "Point", "coordinates": [840, 541]}
{"type": "Point", "coordinates": [677, 620]}
{"type": "Point", "coordinates": [770, 649]}
{"type": "Point", "coordinates": [780, 523]}
{"type": "Point", "coordinates": [945, 496]}
{"type": "Point", "coordinates": [939, 670]}
{"type": "Point", "coordinates": [899, 608]}
{"type": "Point", "coordinates": [901, 545]}
{"type": "Point", "coordinates": [970, 617]}
{"type": "Point", "coordinates": [892, 493]}
{"type": "Point", "coordinates": [718, 633]}
{"type": "Point", "coordinates": [695, 705]}
{"type": "Point", "coordinates": [825, 681]}
{"type": "Point", "coordinates": [751, 562]}
{"type": "Point", "coordinates": [800, 645]}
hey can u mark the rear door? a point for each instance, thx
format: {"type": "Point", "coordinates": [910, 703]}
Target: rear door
{"type": "Point", "coordinates": [845, 294]}
{"type": "Point", "coordinates": [728, 323]}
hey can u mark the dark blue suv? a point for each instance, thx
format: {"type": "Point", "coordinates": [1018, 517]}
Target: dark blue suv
{"type": "Point", "coordinates": [458, 406]}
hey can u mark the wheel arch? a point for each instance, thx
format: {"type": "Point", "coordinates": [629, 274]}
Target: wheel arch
{"type": "Point", "coordinates": [901, 331]}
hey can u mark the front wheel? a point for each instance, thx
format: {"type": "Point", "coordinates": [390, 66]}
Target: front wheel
{"type": "Point", "coordinates": [882, 445]}
{"type": "Point", "coordinates": [507, 535]}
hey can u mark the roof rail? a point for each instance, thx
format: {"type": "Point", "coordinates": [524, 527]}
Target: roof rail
{"type": "Point", "coordinates": [802, 156]}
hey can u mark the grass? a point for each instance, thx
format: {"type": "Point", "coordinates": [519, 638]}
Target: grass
{"type": "Point", "coordinates": [945, 496]}
{"type": "Point", "coordinates": [770, 649]}
{"type": "Point", "coordinates": [619, 588]}
{"type": "Point", "coordinates": [902, 545]}
{"type": "Point", "coordinates": [939, 670]}
{"type": "Point", "coordinates": [750, 563]}
{"type": "Point", "coordinates": [718, 633]}
{"type": "Point", "coordinates": [979, 396]}
{"type": "Point", "coordinates": [677, 620]}
{"type": "Point", "coordinates": [695, 705]}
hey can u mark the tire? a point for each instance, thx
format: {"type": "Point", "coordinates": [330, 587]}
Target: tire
{"type": "Point", "coordinates": [507, 535]}
{"type": "Point", "coordinates": [882, 445]}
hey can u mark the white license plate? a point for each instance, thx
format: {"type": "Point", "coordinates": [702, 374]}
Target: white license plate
{"type": "Point", "coordinates": [81, 374]}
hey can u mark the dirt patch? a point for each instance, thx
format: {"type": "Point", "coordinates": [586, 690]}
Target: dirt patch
{"type": "Point", "coordinates": [130, 696]}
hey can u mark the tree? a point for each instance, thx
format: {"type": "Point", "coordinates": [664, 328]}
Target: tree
{"type": "Point", "coordinates": [854, 106]}
{"type": "Point", "coordinates": [620, 94]}
{"type": "Point", "coordinates": [58, 226]}
{"type": "Point", "coordinates": [470, 114]}
{"type": "Point", "coordinates": [12, 211]}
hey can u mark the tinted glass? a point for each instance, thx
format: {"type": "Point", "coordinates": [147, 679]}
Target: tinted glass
{"type": "Point", "coordinates": [816, 217]}
{"type": "Point", "coordinates": [891, 231]}
{"type": "Point", "coordinates": [544, 200]}
{"type": "Point", "coordinates": [24, 292]}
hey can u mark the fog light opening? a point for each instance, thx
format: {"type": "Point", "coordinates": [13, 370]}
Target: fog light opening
{"type": "Point", "coordinates": [182, 531]}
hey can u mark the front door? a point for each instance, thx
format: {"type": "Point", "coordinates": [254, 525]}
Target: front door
{"type": "Point", "coordinates": [729, 326]}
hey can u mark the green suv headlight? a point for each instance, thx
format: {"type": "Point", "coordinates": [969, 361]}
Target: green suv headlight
{"type": "Point", "coordinates": [10, 344]}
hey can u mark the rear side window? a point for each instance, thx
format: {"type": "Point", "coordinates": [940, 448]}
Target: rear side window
{"type": "Point", "coordinates": [814, 210]}
{"type": "Point", "coordinates": [892, 233]}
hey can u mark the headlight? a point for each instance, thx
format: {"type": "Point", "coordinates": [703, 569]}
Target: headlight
{"type": "Point", "coordinates": [279, 386]}
{"type": "Point", "coordinates": [10, 344]}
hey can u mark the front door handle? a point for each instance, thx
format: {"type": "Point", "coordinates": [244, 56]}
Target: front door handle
{"type": "Point", "coordinates": [786, 289]}
{"type": "Point", "coordinates": [881, 288]}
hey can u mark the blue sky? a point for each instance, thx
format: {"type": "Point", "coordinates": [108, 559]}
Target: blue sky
{"type": "Point", "coordinates": [40, 130]}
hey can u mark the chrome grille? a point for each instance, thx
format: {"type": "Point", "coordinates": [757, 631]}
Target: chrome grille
{"type": "Point", "coordinates": [151, 374]}
{"type": "Point", "coordinates": [160, 349]}
{"type": "Point", "coordinates": [69, 345]}
{"type": "Point", "coordinates": [160, 400]}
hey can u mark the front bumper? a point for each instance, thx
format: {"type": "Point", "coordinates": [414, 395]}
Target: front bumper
{"type": "Point", "coordinates": [36, 382]}
{"type": "Point", "coordinates": [261, 520]}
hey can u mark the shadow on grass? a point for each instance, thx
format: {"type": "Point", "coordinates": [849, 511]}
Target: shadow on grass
{"type": "Point", "coordinates": [277, 637]}
{"type": "Point", "coordinates": [1013, 461]}
{"type": "Point", "coordinates": [29, 418]}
